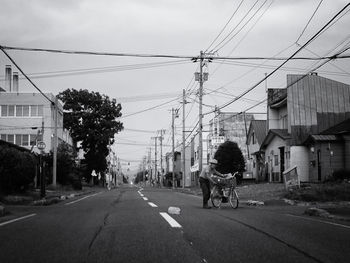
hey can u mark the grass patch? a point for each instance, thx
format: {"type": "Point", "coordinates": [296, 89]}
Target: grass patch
{"type": "Point", "coordinates": [321, 192]}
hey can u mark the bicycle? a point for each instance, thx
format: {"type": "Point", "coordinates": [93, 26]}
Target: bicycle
{"type": "Point", "coordinates": [224, 188]}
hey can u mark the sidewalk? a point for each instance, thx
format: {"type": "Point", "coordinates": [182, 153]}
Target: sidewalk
{"type": "Point", "coordinates": [272, 194]}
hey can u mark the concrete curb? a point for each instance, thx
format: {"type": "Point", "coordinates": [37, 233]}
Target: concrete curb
{"type": "Point", "coordinates": [2, 210]}
{"type": "Point", "coordinates": [56, 199]}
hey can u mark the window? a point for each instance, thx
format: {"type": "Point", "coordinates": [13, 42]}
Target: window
{"type": "Point", "coordinates": [25, 110]}
{"type": "Point", "coordinates": [276, 160]}
{"type": "Point", "coordinates": [19, 110]}
{"type": "Point", "coordinates": [3, 137]}
{"type": "Point", "coordinates": [19, 139]}
{"type": "Point", "coordinates": [11, 110]}
{"type": "Point", "coordinates": [32, 139]}
{"type": "Point", "coordinates": [25, 140]}
{"type": "Point", "coordinates": [11, 138]}
{"type": "Point", "coordinates": [253, 138]}
{"type": "Point", "coordinates": [3, 110]}
{"type": "Point", "coordinates": [33, 110]}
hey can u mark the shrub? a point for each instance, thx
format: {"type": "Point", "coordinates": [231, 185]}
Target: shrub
{"type": "Point", "coordinates": [341, 175]}
{"type": "Point", "coordinates": [17, 169]}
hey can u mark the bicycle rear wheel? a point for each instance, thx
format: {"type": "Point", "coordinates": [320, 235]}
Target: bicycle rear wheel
{"type": "Point", "coordinates": [215, 197]}
{"type": "Point", "coordinates": [233, 198]}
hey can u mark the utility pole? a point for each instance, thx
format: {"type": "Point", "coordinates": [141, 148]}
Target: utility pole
{"type": "Point", "coordinates": [150, 164]}
{"type": "Point", "coordinates": [174, 113]}
{"type": "Point", "coordinates": [183, 139]}
{"type": "Point", "coordinates": [54, 166]}
{"type": "Point", "coordinates": [201, 77]}
{"type": "Point", "coordinates": [161, 155]}
{"type": "Point", "coordinates": [143, 170]}
{"type": "Point", "coordinates": [155, 158]}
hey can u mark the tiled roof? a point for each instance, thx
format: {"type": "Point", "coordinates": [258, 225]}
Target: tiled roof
{"type": "Point", "coordinates": [283, 133]}
{"type": "Point", "coordinates": [324, 137]}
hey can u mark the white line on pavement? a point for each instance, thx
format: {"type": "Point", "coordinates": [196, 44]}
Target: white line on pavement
{"type": "Point", "coordinates": [172, 222]}
{"type": "Point", "coordinates": [16, 219]}
{"type": "Point", "coordinates": [75, 201]}
{"type": "Point", "coordinates": [145, 198]}
{"type": "Point", "coordinates": [152, 204]}
{"type": "Point", "coordinates": [321, 221]}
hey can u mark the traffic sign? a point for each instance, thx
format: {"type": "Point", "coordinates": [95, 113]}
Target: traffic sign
{"type": "Point", "coordinates": [41, 145]}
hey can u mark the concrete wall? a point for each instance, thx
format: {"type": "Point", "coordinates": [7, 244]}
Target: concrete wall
{"type": "Point", "coordinates": [299, 156]}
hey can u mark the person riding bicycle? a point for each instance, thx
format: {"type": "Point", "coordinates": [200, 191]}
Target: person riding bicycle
{"type": "Point", "coordinates": [205, 179]}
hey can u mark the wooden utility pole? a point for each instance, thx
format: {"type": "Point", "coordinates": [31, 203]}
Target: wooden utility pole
{"type": "Point", "coordinates": [183, 139]}
{"type": "Point", "coordinates": [200, 134]}
{"type": "Point", "coordinates": [55, 141]}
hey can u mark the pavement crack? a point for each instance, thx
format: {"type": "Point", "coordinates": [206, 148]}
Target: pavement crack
{"type": "Point", "coordinates": [275, 238]}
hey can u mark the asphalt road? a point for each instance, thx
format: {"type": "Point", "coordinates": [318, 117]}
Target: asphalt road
{"type": "Point", "coordinates": [132, 225]}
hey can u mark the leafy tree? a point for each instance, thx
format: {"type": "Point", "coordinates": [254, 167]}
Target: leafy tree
{"type": "Point", "coordinates": [230, 158]}
{"type": "Point", "coordinates": [91, 119]}
{"type": "Point", "coordinates": [66, 167]}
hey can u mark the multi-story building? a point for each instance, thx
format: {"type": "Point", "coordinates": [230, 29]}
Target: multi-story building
{"type": "Point", "coordinates": [229, 126]}
{"type": "Point", "coordinates": [303, 128]}
{"type": "Point", "coordinates": [26, 118]}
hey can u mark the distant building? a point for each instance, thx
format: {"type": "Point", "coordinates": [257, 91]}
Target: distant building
{"type": "Point", "coordinates": [26, 118]}
{"type": "Point", "coordinates": [255, 163]}
{"type": "Point", "coordinates": [229, 126]}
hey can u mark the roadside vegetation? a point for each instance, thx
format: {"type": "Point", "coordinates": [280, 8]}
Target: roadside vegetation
{"type": "Point", "coordinates": [336, 188]}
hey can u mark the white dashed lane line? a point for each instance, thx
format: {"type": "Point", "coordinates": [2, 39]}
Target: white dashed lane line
{"type": "Point", "coordinates": [75, 201]}
{"type": "Point", "coordinates": [152, 204]}
{"type": "Point", "coordinates": [145, 198]}
{"type": "Point", "coordinates": [172, 222]}
{"type": "Point", "coordinates": [16, 219]}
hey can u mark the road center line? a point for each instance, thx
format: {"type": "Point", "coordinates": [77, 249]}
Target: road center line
{"type": "Point", "coordinates": [78, 200]}
{"type": "Point", "coordinates": [152, 204]}
{"type": "Point", "coordinates": [172, 222]}
{"type": "Point", "coordinates": [16, 219]}
{"type": "Point", "coordinates": [321, 221]}
{"type": "Point", "coordinates": [145, 198]}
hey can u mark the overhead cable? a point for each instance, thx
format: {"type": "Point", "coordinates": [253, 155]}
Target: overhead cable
{"type": "Point", "coordinates": [281, 65]}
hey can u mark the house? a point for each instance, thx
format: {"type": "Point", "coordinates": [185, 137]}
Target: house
{"type": "Point", "coordinates": [26, 118]}
{"type": "Point", "coordinates": [255, 163]}
{"type": "Point", "coordinates": [309, 106]}
{"type": "Point", "coordinates": [329, 151]}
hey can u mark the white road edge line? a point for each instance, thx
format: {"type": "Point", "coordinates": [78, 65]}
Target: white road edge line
{"type": "Point", "coordinates": [75, 201]}
{"type": "Point", "coordinates": [172, 222]}
{"type": "Point", "coordinates": [145, 198]}
{"type": "Point", "coordinates": [321, 221]}
{"type": "Point", "coordinates": [152, 204]}
{"type": "Point", "coordinates": [16, 219]}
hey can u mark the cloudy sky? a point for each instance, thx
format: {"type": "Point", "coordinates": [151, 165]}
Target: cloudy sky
{"type": "Point", "coordinates": [148, 88]}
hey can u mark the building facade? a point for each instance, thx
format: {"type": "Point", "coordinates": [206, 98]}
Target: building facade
{"type": "Point", "coordinates": [297, 116]}
{"type": "Point", "coordinates": [26, 118]}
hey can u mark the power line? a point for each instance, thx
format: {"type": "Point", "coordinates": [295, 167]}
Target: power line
{"type": "Point", "coordinates": [281, 65]}
{"type": "Point", "coordinates": [307, 24]}
{"type": "Point", "coordinates": [94, 53]}
{"type": "Point", "coordinates": [85, 71]}
{"type": "Point", "coordinates": [229, 40]}
{"type": "Point", "coordinates": [222, 30]}
{"type": "Point", "coordinates": [193, 58]}
{"type": "Point", "coordinates": [24, 74]}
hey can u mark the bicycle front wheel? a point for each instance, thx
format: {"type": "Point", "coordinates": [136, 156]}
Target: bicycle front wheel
{"type": "Point", "coordinates": [215, 197]}
{"type": "Point", "coordinates": [233, 198]}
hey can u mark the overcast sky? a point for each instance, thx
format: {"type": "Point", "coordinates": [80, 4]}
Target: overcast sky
{"type": "Point", "coordinates": [168, 27]}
